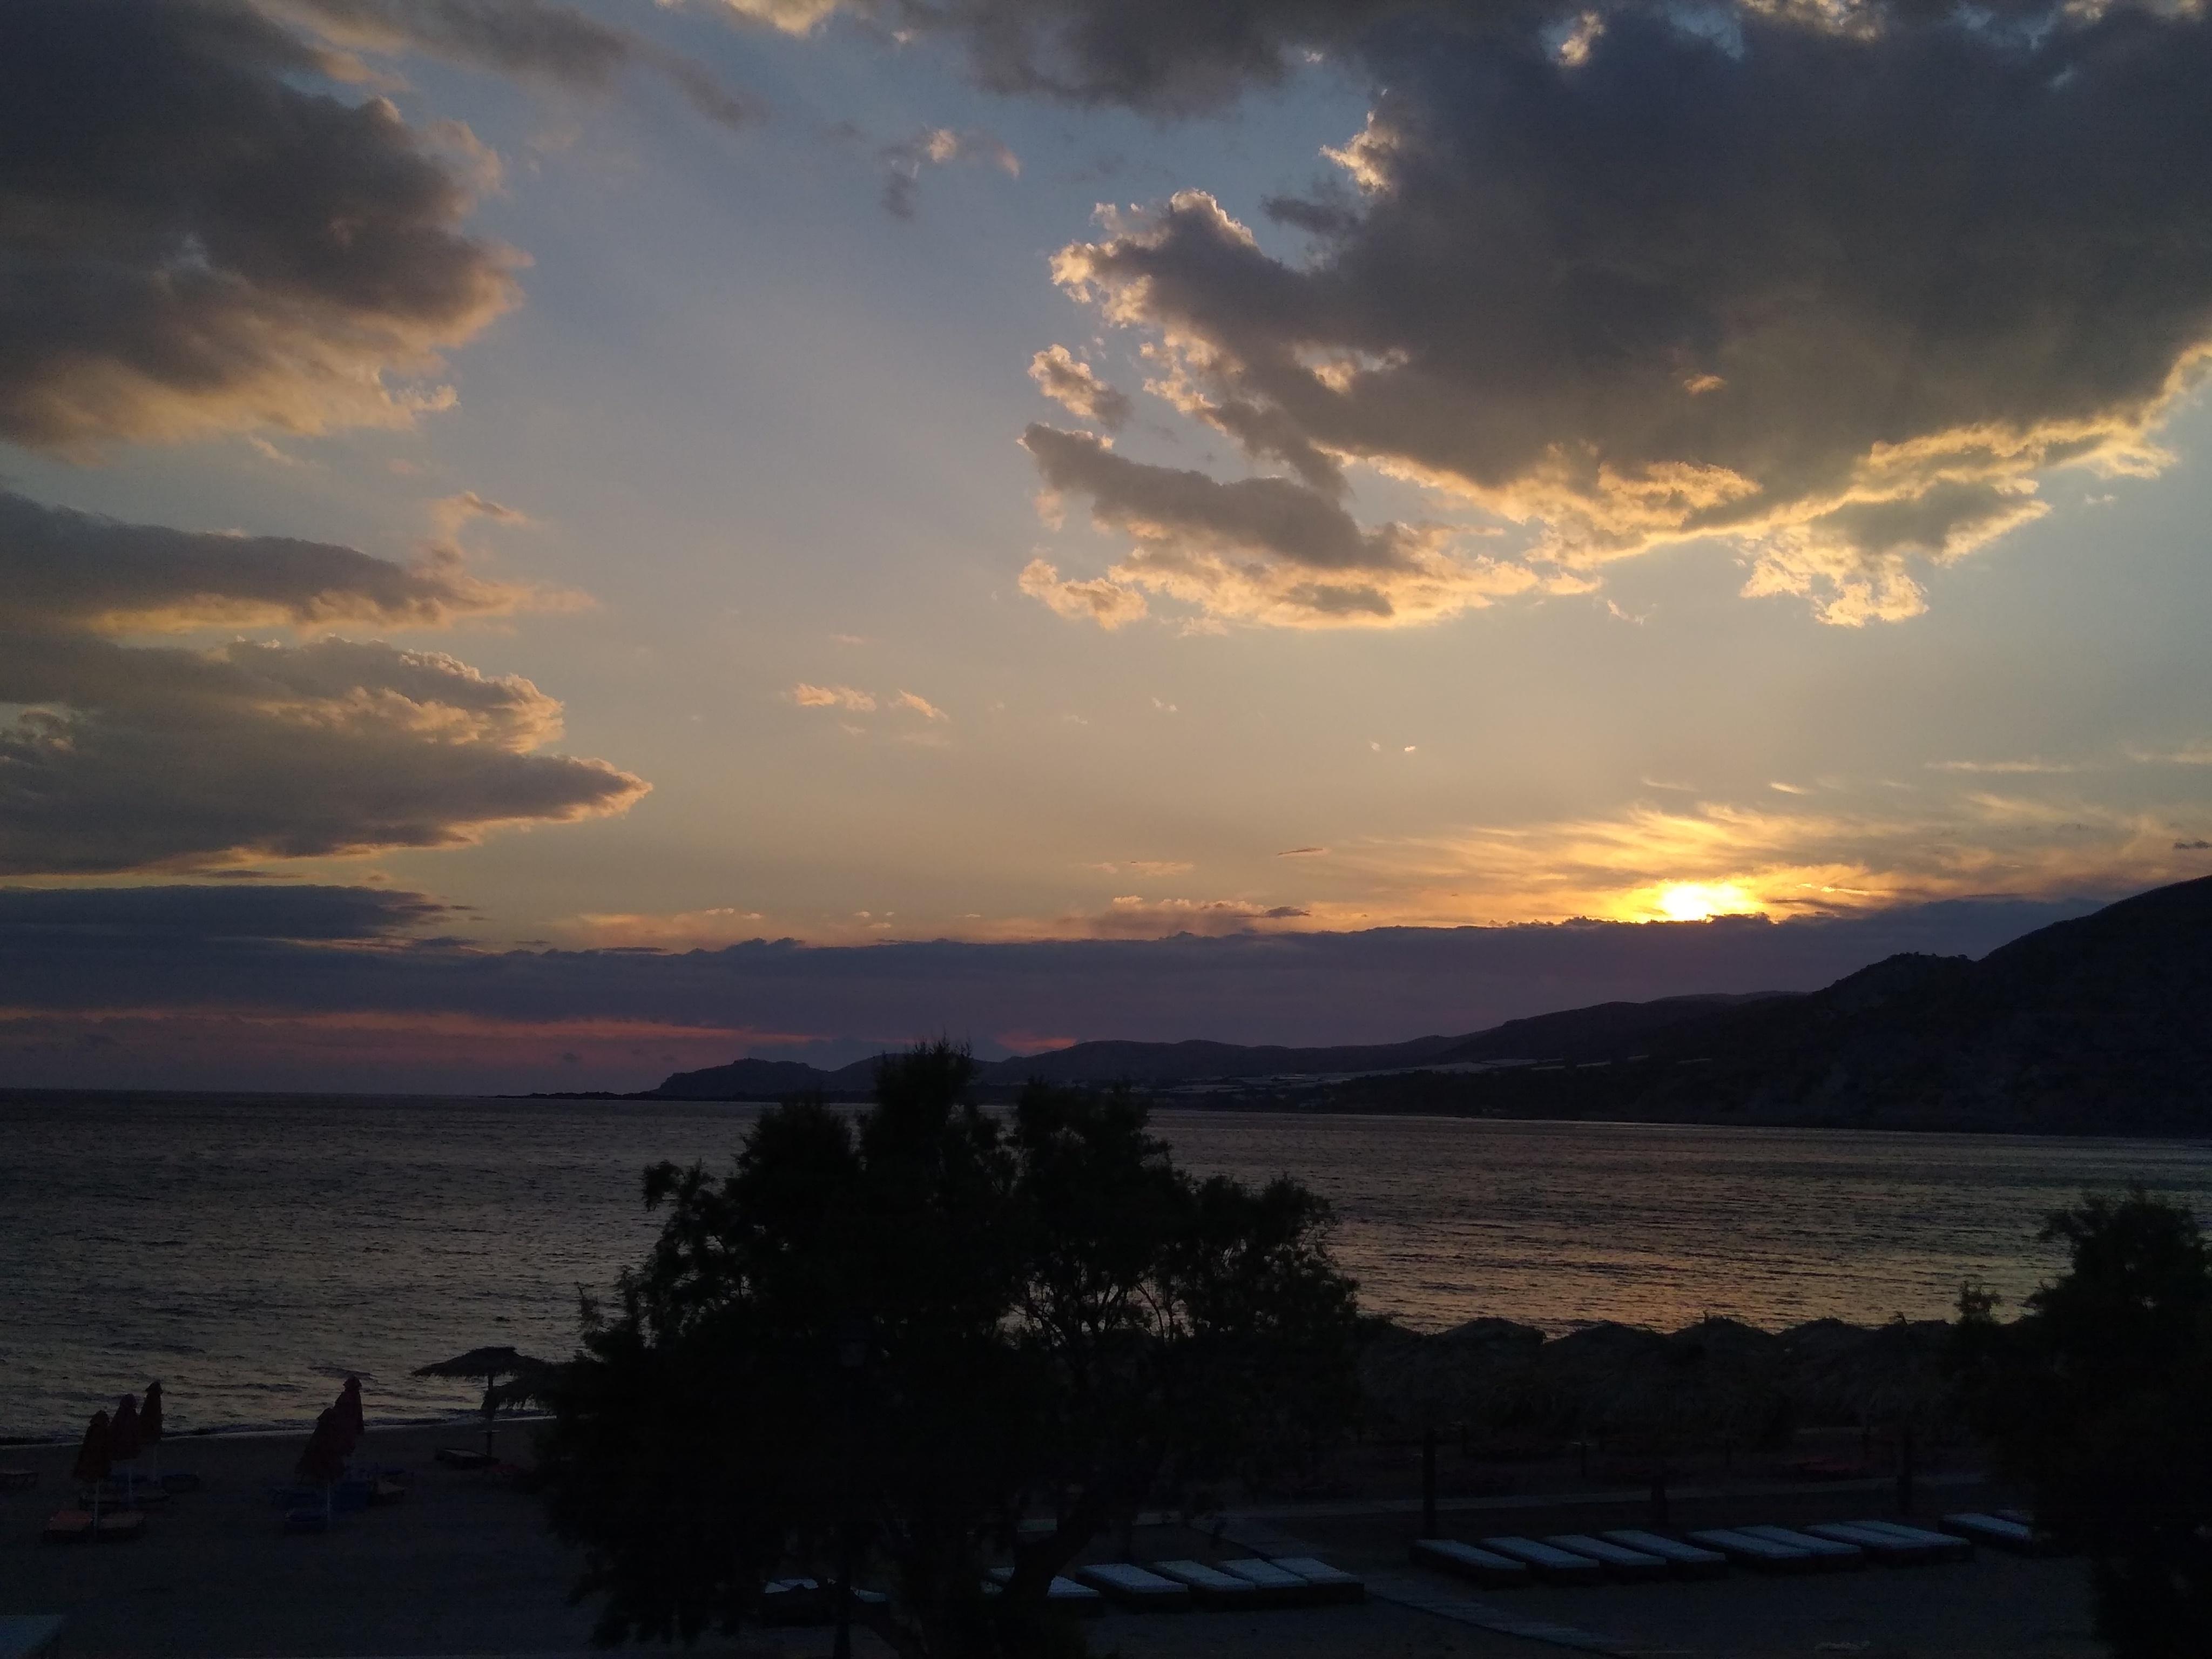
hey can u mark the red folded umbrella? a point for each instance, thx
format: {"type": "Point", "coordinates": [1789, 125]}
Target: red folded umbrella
{"type": "Point", "coordinates": [149, 1416]}
{"type": "Point", "coordinates": [123, 1432]}
{"type": "Point", "coordinates": [94, 1457]}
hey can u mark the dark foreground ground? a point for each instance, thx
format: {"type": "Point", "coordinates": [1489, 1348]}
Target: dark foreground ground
{"type": "Point", "coordinates": [465, 1567]}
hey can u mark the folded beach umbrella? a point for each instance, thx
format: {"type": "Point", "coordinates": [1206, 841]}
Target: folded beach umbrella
{"type": "Point", "coordinates": [122, 1441]}
{"type": "Point", "coordinates": [351, 1424]}
{"type": "Point", "coordinates": [322, 1461]}
{"type": "Point", "coordinates": [93, 1459]}
{"type": "Point", "coordinates": [149, 1427]}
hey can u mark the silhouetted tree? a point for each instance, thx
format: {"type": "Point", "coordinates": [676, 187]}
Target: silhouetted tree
{"type": "Point", "coordinates": [2100, 1398]}
{"type": "Point", "coordinates": [895, 1340]}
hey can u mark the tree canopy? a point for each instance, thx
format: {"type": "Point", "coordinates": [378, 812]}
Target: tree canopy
{"type": "Point", "coordinates": [904, 1335]}
{"type": "Point", "coordinates": [2101, 1398]}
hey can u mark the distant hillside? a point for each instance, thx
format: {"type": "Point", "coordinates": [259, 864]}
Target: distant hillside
{"type": "Point", "coordinates": [2099, 1025]}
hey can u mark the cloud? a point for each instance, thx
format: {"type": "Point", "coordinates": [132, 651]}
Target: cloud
{"type": "Point", "coordinates": [833, 696]}
{"type": "Point", "coordinates": [915, 703]}
{"type": "Point", "coordinates": [67, 572]}
{"type": "Point", "coordinates": [1586, 296]}
{"type": "Point", "coordinates": [153, 758]}
{"type": "Point", "coordinates": [936, 147]}
{"type": "Point", "coordinates": [1261, 549]}
{"type": "Point", "coordinates": [2186, 754]}
{"type": "Point", "coordinates": [227, 912]}
{"type": "Point", "coordinates": [200, 240]}
{"type": "Point", "coordinates": [1074, 387]}
{"type": "Point", "coordinates": [1100, 599]}
{"type": "Point", "coordinates": [233, 1006]}
{"type": "Point", "coordinates": [526, 37]}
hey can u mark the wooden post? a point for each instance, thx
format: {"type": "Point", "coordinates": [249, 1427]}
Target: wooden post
{"type": "Point", "coordinates": [1429, 1482]}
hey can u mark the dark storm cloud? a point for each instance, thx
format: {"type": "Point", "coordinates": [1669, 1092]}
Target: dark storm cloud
{"type": "Point", "coordinates": [1379, 986]}
{"type": "Point", "coordinates": [196, 242]}
{"type": "Point", "coordinates": [132, 757]}
{"type": "Point", "coordinates": [1837, 289]}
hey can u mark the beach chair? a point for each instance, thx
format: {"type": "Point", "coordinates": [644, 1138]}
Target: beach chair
{"type": "Point", "coordinates": [1063, 1593]}
{"type": "Point", "coordinates": [463, 1457]}
{"type": "Point", "coordinates": [1210, 1587]}
{"type": "Point", "coordinates": [1551, 1564]}
{"type": "Point", "coordinates": [1481, 1566]}
{"type": "Point", "coordinates": [1887, 1548]}
{"type": "Point", "coordinates": [1622, 1564]}
{"type": "Point", "coordinates": [119, 1527]}
{"type": "Point", "coordinates": [1745, 1549]}
{"type": "Point", "coordinates": [1279, 1587]}
{"type": "Point", "coordinates": [1683, 1560]}
{"type": "Point", "coordinates": [1330, 1585]}
{"type": "Point", "coordinates": [1829, 1554]}
{"type": "Point", "coordinates": [18, 1480]}
{"type": "Point", "coordinates": [68, 1527]}
{"type": "Point", "coordinates": [1942, 1546]}
{"type": "Point", "coordinates": [1129, 1585]}
{"type": "Point", "coordinates": [1999, 1532]}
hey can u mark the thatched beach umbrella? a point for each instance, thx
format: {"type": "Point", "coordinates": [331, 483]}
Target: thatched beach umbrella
{"type": "Point", "coordinates": [519, 1372]}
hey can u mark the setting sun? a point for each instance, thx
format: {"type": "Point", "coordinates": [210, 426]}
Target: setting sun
{"type": "Point", "coordinates": [1699, 901]}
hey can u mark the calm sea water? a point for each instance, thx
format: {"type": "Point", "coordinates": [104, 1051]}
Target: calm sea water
{"type": "Point", "coordinates": [251, 1251]}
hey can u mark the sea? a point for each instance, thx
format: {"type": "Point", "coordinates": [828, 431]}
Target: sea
{"type": "Point", "coordinates": [251, 1251]}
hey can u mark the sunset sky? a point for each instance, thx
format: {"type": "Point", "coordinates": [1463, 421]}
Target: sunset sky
{"type": "Point", "coordinates": [490, 490]}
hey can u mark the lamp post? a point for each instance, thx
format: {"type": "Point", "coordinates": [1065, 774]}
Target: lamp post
{"type": "Point", "coordinates": [856, 1338]}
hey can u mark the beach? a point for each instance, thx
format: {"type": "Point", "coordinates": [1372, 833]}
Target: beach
{"type": "Point", "coordinates": [464, 1565]}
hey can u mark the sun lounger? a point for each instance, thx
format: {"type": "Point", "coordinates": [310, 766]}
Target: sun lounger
{"type": "Point", "coordinates": [18, 1480]}
{"type": "Point", "coordinates": [1831, 1554]}
{"type": "Point", "coordinates": [1622, 1564]}
{"type": "Point", "coordinates": [1484, 1567]}
{"type": "Point", "coordinates": [27, 1635]}
{"type": "Point", "coordinates": [1209, 1586]}
{"type": "Point", "coordinates": [1278, 1587]}
{"type": "Point", "coordinates": [1060, 1593]}
{"type": "Point", "coordinates": [1748, 1550]}
{"type": "Point", "coordinates": [315, 1519]}
{"type": "Point", "coordinates": [1131, 1586]}
{"type": "Point", "coordinates": [1329, 1583]}
{"type": "Point", "coordinates": [1551, 1564]}
{"type": "Point", "coordinates": [1999, 1532]}
{"type": "Point", "coordinates": [794, 1601]}
{"type": "Point", "coordinates": [178, 1480]}
{"type": "Point", "coordinates": [2019, 1517]}
{"type": "Point", "coordinates": [1683, 1560]}
{"type": "Point", "coordinates": [461, 1457]}
{"type": "Point", "coordinates": [68, 1527]}
{"type": "Point", "coordinates": [1945, 1546]}
{"type": "Point", "coordinates": [1888, 1548]}
{"type": "Point", "coordinates": [121, 1528]}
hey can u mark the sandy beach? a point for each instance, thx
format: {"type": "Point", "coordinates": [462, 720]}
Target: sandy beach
{"type": "Point", "coordinates": [464, 1565]}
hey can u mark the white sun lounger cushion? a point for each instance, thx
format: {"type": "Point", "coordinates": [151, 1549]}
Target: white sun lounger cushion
{"type": "Point", "coordinates": [1886, 1547]}
{"type": "Point", "coordinates": [1618, 1559]}
{"type": "Point", "coordinates": [1126, 1582]}
{"type": "Point", "coordinates": [1740, 1546]}
{"type": "Point", "coordinates": [2001, 1532]}
{"type": "Point", "coordinates": [1265, 1574]}
{"type": "Point", "coordinates": [1685, 1558]}
{"type": "Point", "coordinates": [1939, 1543]}
{"type": "Point", "coordinates": [1060, 1590]}
{"type": "Point", "coordinates": [1831, 1551]}
{"type": "Point", "coordinates": [1546, 1560]}
{"type": "Point", "coordinates": [1208, 1584]}
{"type": "Point", "coordinates": [1329, 1583]}
{"type": "Point", "coordinates": [1485, 1567]}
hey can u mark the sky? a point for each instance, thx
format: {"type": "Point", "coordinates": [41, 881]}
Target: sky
{"type": "Point", "coordinates": [542, 543]}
